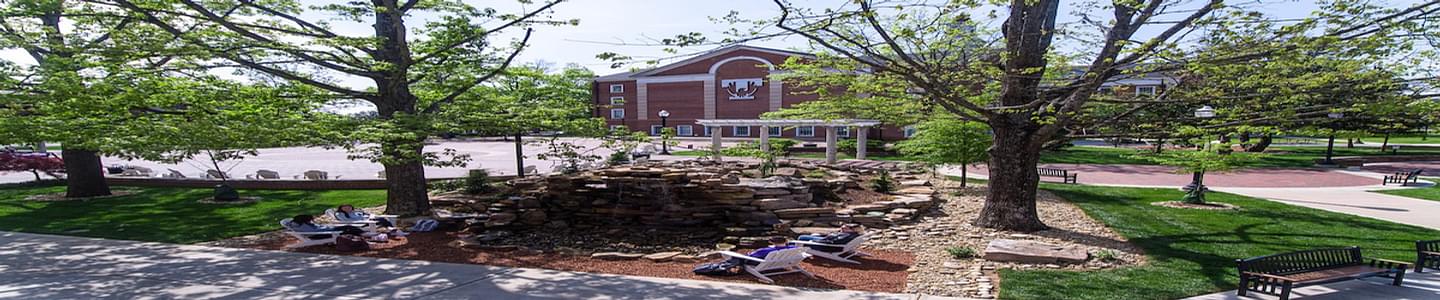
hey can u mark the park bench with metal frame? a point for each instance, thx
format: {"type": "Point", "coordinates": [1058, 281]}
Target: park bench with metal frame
{"type": "Point", "coordinates": [1403, 178]}
{"type": "Point", "coordinates": [1277, 274]}
{"type": "Point", "coordinates": [1065, 175]}
{"type": "Point", "coordinates": [1427, 255]}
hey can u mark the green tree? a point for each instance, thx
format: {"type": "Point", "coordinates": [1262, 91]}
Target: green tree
{"type": "Point", "coordinates": [1214, 157]}
{"type": "Point", "coordinates": [942, 141]}
{"type": "Point", "coordinates": [79, 51]}
{"type": "Point", "coordinates": [1031, 94]}
{"type": "Point", "coordinates": [422, 57]}
{"type": "Point", "coordinates": [523, 99]}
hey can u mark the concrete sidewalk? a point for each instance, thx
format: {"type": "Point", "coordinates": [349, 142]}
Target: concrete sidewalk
{"type": "Point", "coordinates": [1353, 200]}
{"type": "Point", "coordinates": [1416, 287]}
{"type": "Point", "coordinates": [34, 266]}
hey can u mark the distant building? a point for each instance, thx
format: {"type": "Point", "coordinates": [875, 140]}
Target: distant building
{"type": "Point", "coordinates": [733, 83]}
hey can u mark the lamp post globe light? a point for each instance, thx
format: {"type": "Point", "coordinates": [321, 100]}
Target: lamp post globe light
{"type": "Point", "coordinates": [664, 144]}
{"type": "Point", "coordinates": [1330, 147]}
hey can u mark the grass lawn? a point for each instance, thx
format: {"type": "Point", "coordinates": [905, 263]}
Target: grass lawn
{"type": "Point", "coordinates": [1431, 193]}
{"type": "Point", "coordinates": [1284, 156]}
{"type": "Point", "coordinates": [1404, 139]}
{"type": "Point", "coordinates": [1193, 252]}
{"type": "Point", "coordinates": [169, 215]}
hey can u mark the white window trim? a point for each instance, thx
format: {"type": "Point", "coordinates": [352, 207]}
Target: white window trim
{"type": "Point", "coordinates": [735, 131]}
{"type": "Point", "coordinates": [684, 130]}
{"type": "Point", "coordinates": [708, 130]}
{"type": "Point", "coordinates": [776, 131]}
{"type": "Point", "coordinates": [842, 131]}
{"type": "Point", "coordinates": [1141, 90]}
{"type": "Point", "coordinates": [799, 132]}
{"type": "Point", "coordinates": [621, 98]}
{"type": "Point", "coordinates": [655, 130]}
{"type": "Point", "coordinates": [613, 116]}
{"type": "Point", "coordinates": [617, 88]}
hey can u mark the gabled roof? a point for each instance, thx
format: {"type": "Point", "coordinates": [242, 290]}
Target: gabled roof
{"type": "Point", "coordinates": [697, 58]}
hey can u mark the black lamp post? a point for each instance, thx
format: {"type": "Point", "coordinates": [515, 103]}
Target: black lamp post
{"type": "Point", "coordinates": [664, 144]}
{"type": "Point", "coordinates": [1330, 148]}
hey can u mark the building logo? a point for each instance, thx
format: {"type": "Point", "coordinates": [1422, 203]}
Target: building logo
{"type": "Point", "coordinates": [742, 89]}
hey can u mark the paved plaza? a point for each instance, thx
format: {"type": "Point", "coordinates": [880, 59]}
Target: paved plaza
{"type": "Point", "coordinates": [34, 266]}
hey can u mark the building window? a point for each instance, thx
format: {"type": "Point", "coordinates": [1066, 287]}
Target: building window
{"type": "Point", "coordinates": [684, 130]}
{"type": "Point", "coordinates": [775, 130]}
{"type": "Point", "coordinates": [1145, 90]}
{"type": "Point", "coordinates": [741, 131]}
{"type": "Point", "coordinates": [805, 131]}
{"type": "Point", "coordinates": [617, 113]}
{"type": "Point", "coordinates": [617, 88]}
{"type": "Point", "coordinates": [909, 131]}
{"type": "Point", "coordinates": [708, 129]}
{"type": "Point", "coordinates": [842, 131]}
{"type": "Point", "coordinates": [617, 100]}
{"type": "Point", "coordinates": [655, 129]}
{"type": "Point", "coordinates": [1105, 90]}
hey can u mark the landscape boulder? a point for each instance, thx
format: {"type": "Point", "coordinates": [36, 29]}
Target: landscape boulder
{"type": "Point", "coordinates": [1033, 252]}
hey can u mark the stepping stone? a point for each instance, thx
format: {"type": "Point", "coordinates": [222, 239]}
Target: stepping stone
{"type": "Point", "coordinates": [661, 256]}
{"type": "Point", "coordinates": [1033, 252]}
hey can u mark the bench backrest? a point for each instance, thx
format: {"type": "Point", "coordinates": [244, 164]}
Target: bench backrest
{"type": "Point", "coordinates": [1416, 172]}
{"type": "Point", "coordinates": [1302, 261]}
{"type": "Point", "coordinates": [1428, 246]}
{"type": "Point", "coordinates": [1052, 172]}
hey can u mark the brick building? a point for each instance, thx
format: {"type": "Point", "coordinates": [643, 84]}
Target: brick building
{"type": "Point", "coordinates": [727, 83]}
{"type": "Point", "coordinates": [733, 83]}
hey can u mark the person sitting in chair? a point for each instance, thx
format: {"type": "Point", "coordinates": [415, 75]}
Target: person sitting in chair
{"type": "Point", "coordinates": [306, 223]}
{"type": "Point", "coordinates": [847, 233]}
{"type": "Point", "coordinates": [777, 243]}
{"type": "Point", "coordinates": [348, 214]}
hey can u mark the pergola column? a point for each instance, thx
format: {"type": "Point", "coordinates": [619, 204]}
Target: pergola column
{"type": "Point", "coordinates": [715, 141]}
{"type": "Point", "coordinates": [765, 138]}
{"type": "Point", "coordinates": [860, 142]}
{"type": "Point", "coordinates": [830, 150]}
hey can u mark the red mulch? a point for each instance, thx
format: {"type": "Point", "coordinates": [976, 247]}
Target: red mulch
{"type": "Point", "coordinates": [883, 272]}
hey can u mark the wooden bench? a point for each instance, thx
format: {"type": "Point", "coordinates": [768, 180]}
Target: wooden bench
{"type": "Point", "coordinates": [1403, 178]}
{"type": "Point", "coordinates": [1065, 175]}
{"type": "Point", "coordinates": [1427, 255]}
{"type": "Point", "coordinates": [1276, 274]}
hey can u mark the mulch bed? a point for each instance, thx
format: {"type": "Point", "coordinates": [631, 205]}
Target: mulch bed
{"type": "Point", "coordinates": [883, 272]}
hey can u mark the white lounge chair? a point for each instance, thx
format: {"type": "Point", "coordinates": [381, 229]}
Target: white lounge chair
{"type": "Point", "coordinates": [848, 250]}
{"type": "Point", "coordinates": [216, 174]}
{"type": "Point", "coordinates": [776, 263]}
{"type": "Point", "coordinates": [316, 175]}
{"type": "Point", "coordinates": [366, 225]}
{"type": "Point", "coordinates": [304, 237]}
{"type": "Point", "coordinates": [267, 174]}
{"type": "Point", "coordinates": [173, 174]}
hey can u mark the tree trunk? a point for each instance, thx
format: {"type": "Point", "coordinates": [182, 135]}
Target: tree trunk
{"type": "Point", "coordinates": [405, 187]}
{"type": "Point", "coordinates": [519, 156]}
{"type": "Point", "coordinates": [1010, 204]}
{"type": "Point", "coordinates": [1385, 143]}
{"type": "Point", "coordinates": [1261, 145]}
{"type": "Point", "coordinates": [1159, 145]}
{"type": "Point", "coordinates": [963, 175]}
{"type": "Point", "coordinates": [1349, 143]}
{"type": "Point", "coordinates": [84, 175]}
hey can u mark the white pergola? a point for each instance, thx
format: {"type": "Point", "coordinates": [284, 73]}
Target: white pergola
{"type": "Point", "coordinates": [829, 125]}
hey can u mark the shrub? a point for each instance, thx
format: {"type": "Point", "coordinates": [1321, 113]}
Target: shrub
{"type": "Point", "coordinates": [782, 145]}
{"type": "Point", "coordinates": [447, 185]}
{"type": "Point", "coordinates": [960, 252]}
{"type": "Point", "coordinates": [848, 145]}
{"type": "Point", "coordinates": [478, 182]}
{"type": "Point", "coordinates": [741, 149]}
{"type": "Point", "coordinates": [816, 173]}
{"type": "Point", "coordinates": [1107, 255]}
{"type": "Point", "coordinates": [618, 158]}
{"type": "Point", "coordinates": [884, 183]}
